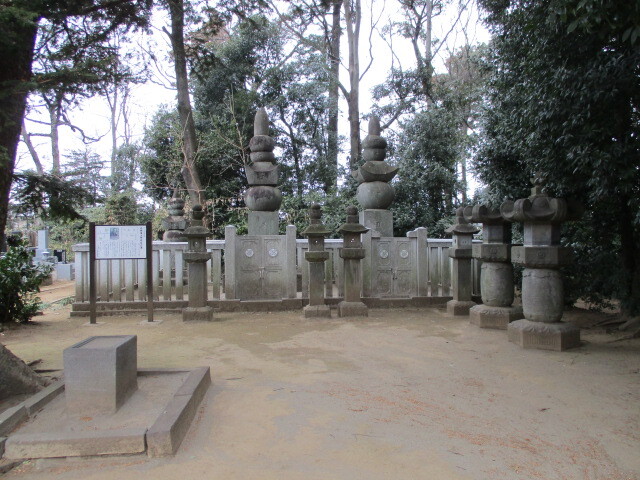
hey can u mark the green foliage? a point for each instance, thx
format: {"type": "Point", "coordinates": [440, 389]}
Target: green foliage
{"type": "Point", "coordinates": [19, 281]}
{"type": "Point", "coordinates": [121, 209]}
{"type": "Point", "coordinates": [564, 97]}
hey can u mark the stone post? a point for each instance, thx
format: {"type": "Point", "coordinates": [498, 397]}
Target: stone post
{"type": "Point", "coordinates": [374, 192]}
{"type": "Point", "coordinates": [262, 198]}
{"type": "Point", "coordinates": [316, 256]}
{"type": "Point", "coordinates": [496, 275]}
{"type": "Point", "coordinates": [175, 224]}
{"type": "Point", "coordinates": [542, 255]}
{"type": "Point", "coordinates": [462, 233]}
{"type": "Point", "coordinates": [196, 257]}
{"type": "Point", "coordinates": [352, 252]}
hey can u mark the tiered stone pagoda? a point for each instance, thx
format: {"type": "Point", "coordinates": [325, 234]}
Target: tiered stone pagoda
{"type": "Point", "coordinates": [542, 255]}
{"type": "Point", "coordinates": [175, 224]}
{"type": "Point", "coordinates": [460, 251]}
{"type": "Point", "coordinates": [263, 198]}
{"type": "Point", "coordinates": [496, 275]}
{"type": "Point", "coordinates": [316, 256]}
{"type": "Point", "coordinates": [374, 192]}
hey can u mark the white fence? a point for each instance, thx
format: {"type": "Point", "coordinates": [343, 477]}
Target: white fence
{"type": "Point", "coordinates": [125, 280]}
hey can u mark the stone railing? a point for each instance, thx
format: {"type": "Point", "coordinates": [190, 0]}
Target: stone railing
{"type": "Point", "coordinates": [125, 280]}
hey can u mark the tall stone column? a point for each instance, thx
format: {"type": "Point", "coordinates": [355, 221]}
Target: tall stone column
{"type": "Point", "coordinates": [496, 275]}
{"type": "Point", "coordinates": [462, 233]}
{"type": "Point", "coordinates": [175, 224]}
{"type": "Point", "coordinates": [316, 256]}
{"type": "Point", "coordinates": [352, 253]}
{"type": "Point", "coordinates": [374, 192]}
{"type": "Point", "coordinates": [542, 286]}
{"type": "Point", "coordinates": [263, 198]}
{"type": "Point", "coordinates": [196, 257]}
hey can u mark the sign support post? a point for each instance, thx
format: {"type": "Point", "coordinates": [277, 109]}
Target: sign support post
{"type": "Point", "coordinates": [92, 273]}
{"type": "Point", "coordinates": [149, 245]}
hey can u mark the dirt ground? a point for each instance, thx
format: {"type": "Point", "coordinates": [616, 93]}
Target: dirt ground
{"type": "Point", "coordinates": [403, 394]}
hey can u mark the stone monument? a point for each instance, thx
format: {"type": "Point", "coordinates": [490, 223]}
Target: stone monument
{"type": "Point", "coordinates": [542, 255]}
{"type": "Point", "coordinates": [316, 256]}
{"type": "Point", "coordinates": [196, 257]}
{"type": "Point", "coordinates": [263, 198]}
{"type": "Point", "coordinates": [175, 224]}
{"type": "Point", "coordinates": [374, 192]}
{"type": "Point", "coordinates": [462, 233]}
{"type": "Point", "coordinates": [496, 275]}
{"type": "Point", "coordinates": [352, 253]}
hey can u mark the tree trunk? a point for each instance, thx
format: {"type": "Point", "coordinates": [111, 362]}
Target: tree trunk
{"type": "Point", "coordinates": [26, 138]}
{"type": "Point", "coordinates": [334, 92]}
{"type": "Point", "coordinates": [15, 73]}
{"type": "Point", "coordinates": [15, 376]}
{"type": "Point", "coordinates": [629, 241]}
{"type": "Point", "coordinates": [353, 16]}
{"type": "Point", "coordinates": [190, 143]}
{"type": "Point", "coordinates": [55, 108]}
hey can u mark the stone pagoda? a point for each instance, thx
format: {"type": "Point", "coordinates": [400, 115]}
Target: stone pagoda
{"type": "Point", "coordinates": [175, 224]}
{"type": "Point", "coordinates": [496, 275]}
{"type": "Point", "coordinates": [460, 251]}
{"type": "Point", "coordinates": [263, 198]}
{"type": "Point", "coordinates": [374, 192]}
{"type": "Point", "coordinates": [316, 256]}
{"type": "Point", "coordinates": [542, 255]}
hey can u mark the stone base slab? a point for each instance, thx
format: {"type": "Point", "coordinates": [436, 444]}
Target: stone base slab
{"type": "Point", "coordinates": [544, 336]}
{"type": "Point", "coordinates": [204, 314]}
{"type": "Point", "coordinates": [486, 316]}
{"type": "Point", "coordinates": [11, 418]}
{"type": "Point", "coordinates": [75, 444]}
{"type": "Point", "coordinates": [317, 311]}
{"type": "Point", "coordinates": [457, 307]}
{"type": "Point", "coordinates": [352, 309]}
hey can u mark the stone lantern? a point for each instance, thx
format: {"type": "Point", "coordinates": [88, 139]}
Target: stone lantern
{"type": "Point", "coordinates": [542, 255]}
{"type": "Point", "coordinates": [196, 257]}
{"type": "Point", "coordinates": [316, 256]}
{"type": "Point", "coordinates": [375, 194]}
{"type": "Point", "coordinates": [496, 275]}
{"type": "Point", "coordinates": [175, 224]}
{"type": "Point", "coordinates": [462, 233]}
{"type": "Point", "coordinates": [352, 253]}
{"type": "Point", "coordinates": [263, 198]}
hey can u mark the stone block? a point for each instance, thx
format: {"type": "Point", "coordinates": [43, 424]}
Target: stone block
{"type": "Point", "coordinates": [540, 257]}
{"type": "Point", "coordinates": [352, 309]}
{"type": "Point", "coordinates": [317, 311]}
{"type": "Point", "coordinates": [65, 271]}
{"type": "Point", "coordinates": [36, 402]}
{"type": "Point", "coordinates": [263, 223]}
{"type": "Point", "coordinates": [11, 418]}
{"type": "Point", "coordinates": [76, 444]}
{"type": "Point", "coordinates": [544, 336]}
{"type": "Point", "coordinates": [190, 314]}
{"type": "Point", "coordinates": [166, 434]}
{"type": "Point", "coordinates": [493, 252]}
{"type": "Point", "coordinates": [2, 442]}
{"type": "Point", "coordinates": [460, 253]}
{"type": "Point", "coordinates": [100, 374]}
{"type": "Point", "coordinates": [459, 307]}
{"type": "Point", "coordinates": [499, 318]}
{"type": "Point", "coordinates": [379, 220]}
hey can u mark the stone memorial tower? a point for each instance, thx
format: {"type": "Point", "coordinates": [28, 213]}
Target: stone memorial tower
{"type": "Point", "coordinates": [316, 256]}
{"type": "Point", "coordinates": [542, 255]}
{"type": "Point", "coordinates": [374, 192]}
{"type": "Point", "coordinates": [175, 224]}
{"type": "Point", "coordinates": [460, 251]}
{"type": "Point", "coordinates": [263, 198]}
{"type": "Point", "coordinates": [496, 275]}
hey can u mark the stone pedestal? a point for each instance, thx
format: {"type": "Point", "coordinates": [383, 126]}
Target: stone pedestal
{"type": "Point", "coordinates": [100, 374]}
{"type": "Point", "coordinates": [542, 287]}
{"type": "Point", "coordinates": [196, 257]}
{"type": "Point", "coordinates": [263, 223]}
{"type": "Point", "coordinates": [378, 220]}
{"type": "Point", "coordinates": [352, 253]}
{"type": "Point", "coordinates": [316, 256]}
{"type": "Point", "coordinates": [496, 274]}
{"type": "Point", "coordinates": [461, 278]}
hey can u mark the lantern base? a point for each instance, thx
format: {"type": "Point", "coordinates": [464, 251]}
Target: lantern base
{"type": "Point", "coordinates": [486, 316]}
{"type": "Point", "coordinates": [317, 311]}
{"type": "Point", "coordinates": [458, 307]}
{"type": "Point", "coordinates": [352, 309]}
{"type": "Point", "coordinates": [544, 336]}
{"type": "Point", "coordinates": [190, 314]}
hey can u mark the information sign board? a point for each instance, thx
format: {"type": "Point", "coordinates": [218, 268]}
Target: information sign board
{"type": "Point", "coordinates": [120, 242]}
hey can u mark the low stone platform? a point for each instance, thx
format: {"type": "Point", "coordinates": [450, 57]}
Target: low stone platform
{"type": "Point", "coordinates": [485, 316]}
{"type": "Point", "coordinates": [154, 420]}
{"type": "Point", "coordinates": [544, 336]}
